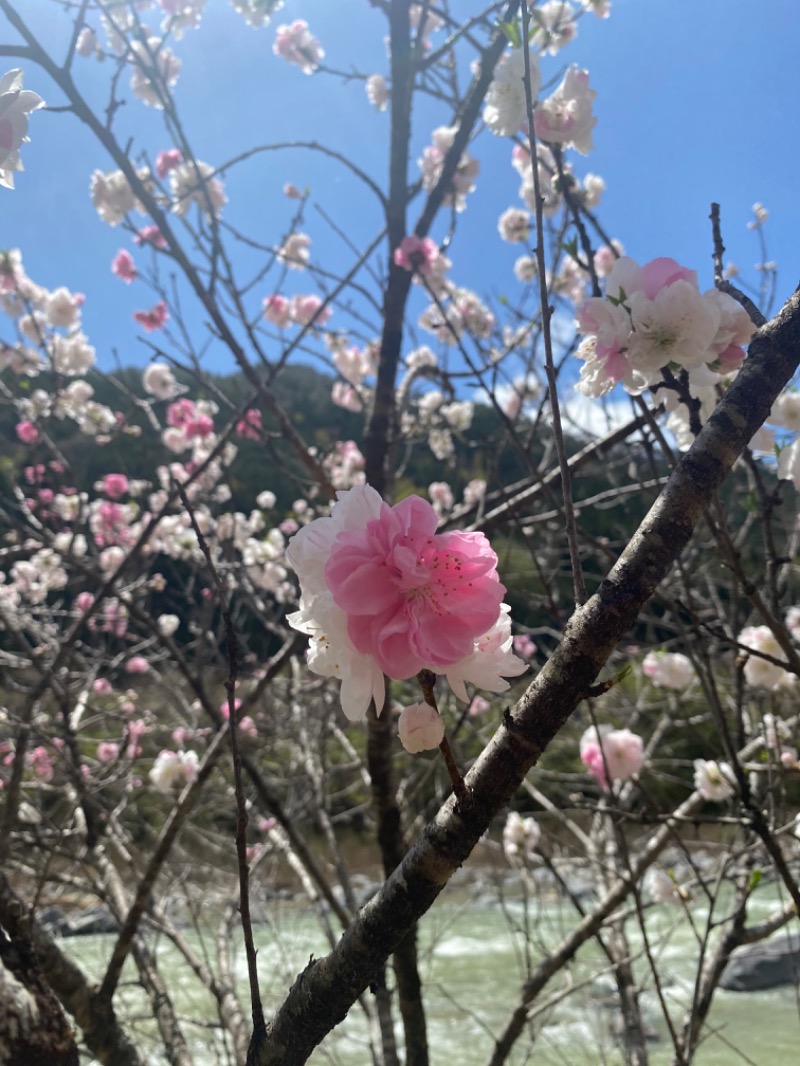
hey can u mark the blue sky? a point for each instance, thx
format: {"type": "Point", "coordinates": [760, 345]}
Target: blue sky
{"type": "Point", "coordinates": [696, 102]}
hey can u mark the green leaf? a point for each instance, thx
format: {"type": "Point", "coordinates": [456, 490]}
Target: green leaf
{"type": "Point", "coordinates": [755, 880]}
{"type": "Point", "coordinates": [571, 247]}
{"type": "Point", "coordinates": [512, 31]}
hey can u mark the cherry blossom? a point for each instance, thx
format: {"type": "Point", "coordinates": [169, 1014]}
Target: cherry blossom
{"type": "Point", "coordinates": [150, 235]}
{"type": "Point", "coordinates": [514, 225]}
{"type": "Point", "coordinates": [107, 751]}
{"type": "Point", "coordinates": [377, 91]}
{"type": "Point", "coordinates": [168, 624]}
{"type": "Point", "coordinates": [256, 12]}
{"type": "Point", "coordinates": [194, 183]}
{"type": "Point", "coordinates": [416, 253]}
{"type": "Point", "coordinates": [524, 646]}
{"type": "Point", "coordinates": [525, 269]}
{"type": "Point", "coordinates": [114, 485]}
{"type": "Point", "coordinates": [346, 396]}
{"type": "Point", "coordinates": [668, 669]}
{"type": "Point", "coordinates": [156, 318]}
{"type": "Point", "coordinates": [112, 196]}
{"type": "Point", "coordinates": [521, 837]}
{"type": "Point", "coordinates": [27, 432]}
{"type": "Point", "coordinates": [294, 252]}
{"type": "Point", "coordinates": [505, 111]}
{"type": "Point", "coordinates": [173, 768]}
{"type": "Point", "coordinates": [761, 672]}
{"type": "Point", "coordinates": [441, 496]}
{"type": "Point", "coordinates": [156, 71]}
{"type": "Point", "coordinates": [432, 161]}
{"type": "Point", "coordinates": [420, 728]}
{"type": "Point", "coordinates": [124, 267]}
{"type": "Point", "coordinates": [86, 43]}
{"type": "Point", "coordinates": [277, 310]}
{"type": "Point", "coordinates": [566, 116]}
{"type": "Point", "coordinates": [381, 591]}
{"type": "Point", "coordinates": [307, 309]}
{"type": "Point", "coordinates": [654, 316]}
{"type": "Point", "coordinates": [713, 780]}
{"type": "Point", "coordinates": [167, 161]}
{"type": "Point", "coordinates": [611, 753]}
{"type": "Point", "coordinates": [296, 44]}
{"type": "Point", "coordinates": [16, 104]}
{"type": "Point", "coordinates": [159, 381]}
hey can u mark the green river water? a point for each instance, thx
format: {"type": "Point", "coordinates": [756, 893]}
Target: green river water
{"type": "Point", "coordinates": [473, 960]}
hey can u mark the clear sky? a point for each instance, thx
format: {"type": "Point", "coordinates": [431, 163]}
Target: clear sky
{"type": "Point", "coordinates": [697, 101]}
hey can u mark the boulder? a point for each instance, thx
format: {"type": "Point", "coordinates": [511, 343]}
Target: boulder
{"type": "Point", "coordinates": [769, 964]}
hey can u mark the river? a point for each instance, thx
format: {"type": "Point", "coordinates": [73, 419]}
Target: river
{"type": "Point", "coordinates": [474, 957]}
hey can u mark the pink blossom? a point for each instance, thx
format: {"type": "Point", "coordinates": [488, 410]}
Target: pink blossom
{"type": "Point", "coordinates": [201, 425]}
{"type": "Point", "coordinates": [249, 427]}
{"type": "Point", "coordinates": [124, 267]}
{"type": "Point", "coordinates": [41, 763]}
{"type": "Point", "coordinates": [297, 45]}
{"type": "Point", "coordinates": [346, 396]}
{"type": "Point", "coordinates": [136, 730]}
{"type": "Point", "coordinates": [84, 600]}
{"type": "Point", "coordinates": [611, 753]}
{"type": "Point", "coordinates": [115, 485]}
{"type": "Point", "coordinates": [524, 646]}
{"type": "Point", "coordinates": [416, 253]}
{"type": "Point", "coordinates": [413, 598]}
{"type": "Point", "coordinates": [420, 728]}
{"type": "Point", "coordinates": [566, 116]}
{"type": "Point", "coordinates": [478, 706]}
{"type": "Point", "coordinates": [107, 751]}
{"type": "Point", "coordinates": [291, 191]}
{"type": "Point", "coordinates": [137, 664]}
{"type": "Point", "coordinates": [305, 308]}
{"type": "Point", "coordinates": [660, 273]}
{"type": "Point", "coordinates": [150, 235]}
{"type": "Point", "coordinates": [441, 496]}
{"type": "Point", "coordinates": [156, 318]}
{"type": "Point", "coordinates": [382, 591]}
{"type": "Point", "coordinates": [27, 432]}
{"type": "Point", "coordinates": [225, 710]}
{"type": "Point", "coordinates": [180, 412]}
{"type": "Point", "coordinates": [167, 161]}
{"type": "Point", "coordinates": [277, 310]}
{"type": "Point", "coordinates": [248, 727]}
{"type": "Point", "coordinates": [101, 685]}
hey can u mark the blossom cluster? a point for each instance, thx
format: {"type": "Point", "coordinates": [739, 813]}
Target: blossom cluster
{"type": "Point", "coordinates": [654, 318]}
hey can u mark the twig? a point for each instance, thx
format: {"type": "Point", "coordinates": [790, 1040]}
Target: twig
{"type": "Point", "coordinates": [259, 1023]}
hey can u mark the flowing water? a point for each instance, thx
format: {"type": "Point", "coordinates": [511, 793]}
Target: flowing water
{"type": "Point", "coordinates": [474, 957]}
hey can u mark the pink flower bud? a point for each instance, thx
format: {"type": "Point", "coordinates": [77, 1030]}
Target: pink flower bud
{"type": "Point", "coordinates": [420, 728]}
